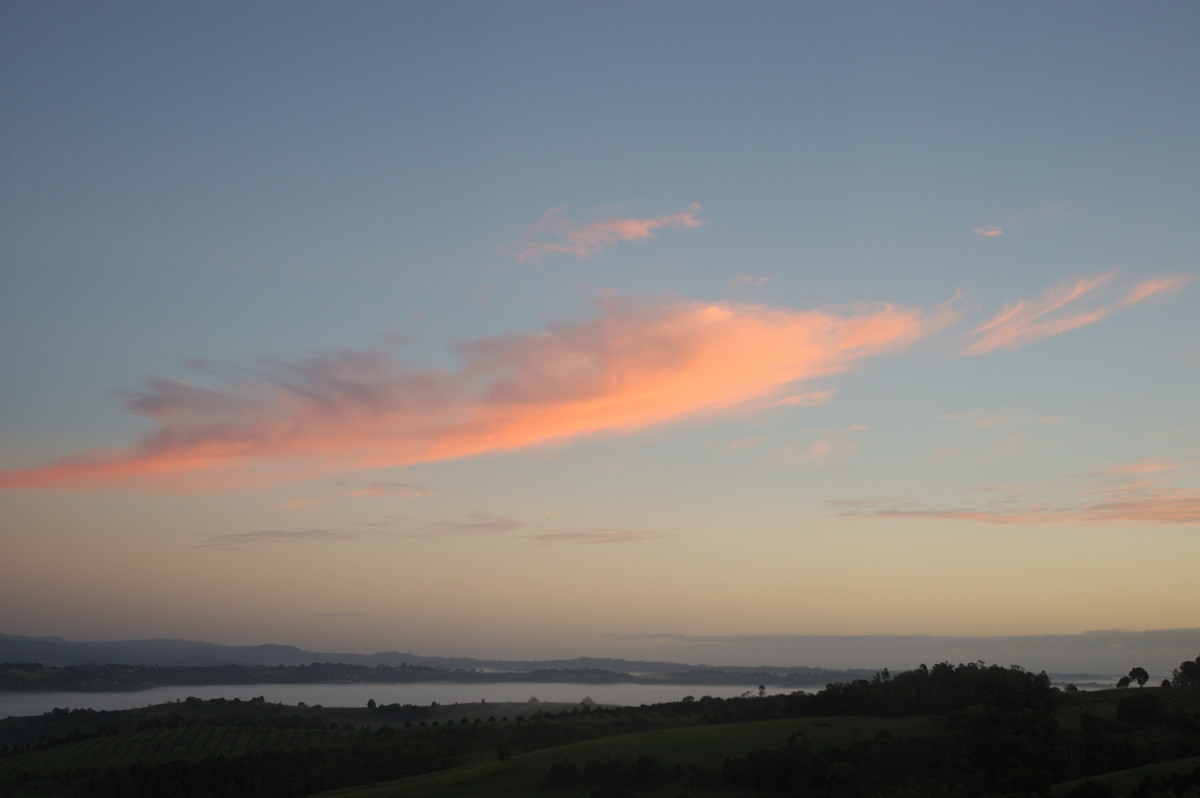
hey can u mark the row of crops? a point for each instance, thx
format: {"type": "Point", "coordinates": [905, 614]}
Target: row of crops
{"type": "Point", "coordinates": [154, 747]}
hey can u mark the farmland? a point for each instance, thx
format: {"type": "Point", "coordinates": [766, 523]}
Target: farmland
{"type": "Point", "coordinates": [970, 729]}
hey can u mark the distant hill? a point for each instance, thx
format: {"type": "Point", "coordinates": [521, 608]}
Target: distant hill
{"type": "Point", "coordinates": [57, 651]}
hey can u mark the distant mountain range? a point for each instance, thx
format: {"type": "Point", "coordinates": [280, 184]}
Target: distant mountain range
{"type": "Point", "coordinates": [57, 651]}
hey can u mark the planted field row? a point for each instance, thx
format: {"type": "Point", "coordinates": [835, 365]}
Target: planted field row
{"type": "Point", "coordinates": [1180, 699]}
{"type": "Point", "coordinates": [156, 747]}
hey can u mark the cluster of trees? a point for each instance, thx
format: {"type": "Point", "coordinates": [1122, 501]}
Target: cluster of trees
{"type": "Point", "coordinates": [1187, 673]}
{"type": "Point", "coordinates": [938, 690]}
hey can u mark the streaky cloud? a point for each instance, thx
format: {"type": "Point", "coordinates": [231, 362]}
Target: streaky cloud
{"type": "Point", "coordinates": [1118, 495]}
{"type": "Point", "coordinates": [478, 523]}
{"type": "Point", "coordinates": [585, 240]}
{"type": "Point", "coordinates": [629, 367]}
{"type": "Point", "coordinates": [808, 399]}
{"type": "Point", "coordinates": [391, 489]}
{"type": "Point", "coordinates": [239, 540]}
{"type": "Point", "coordinates": [597, 535]}
{"type": "Point", "coordinates": [1061, 309]}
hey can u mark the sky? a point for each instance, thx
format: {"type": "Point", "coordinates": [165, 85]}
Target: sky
{"type": "Point", "coordinates": [607, 328]}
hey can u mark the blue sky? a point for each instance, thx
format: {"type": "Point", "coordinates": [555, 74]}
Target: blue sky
{"type": "Point", "coordinates": [482, 327]}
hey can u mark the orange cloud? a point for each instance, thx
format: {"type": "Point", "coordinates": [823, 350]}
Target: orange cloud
{"type": "Point", "coordinates": [1059, 310]}
{"type": "Point", "coordinates": [991, 231]}
{"type": "Point", "coordinates": [586, 240]}
{"type": "Point", "coordinates": [630, 367]}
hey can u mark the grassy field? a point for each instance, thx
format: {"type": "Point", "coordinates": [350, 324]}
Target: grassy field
{"type": "Point", "coordinates": [707, 745]}
{"type": "Point", "coordinates": [1124, 782]}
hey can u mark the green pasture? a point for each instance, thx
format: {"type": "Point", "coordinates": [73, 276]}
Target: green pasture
{"type": "Point", "coordinates": [1123, 782]}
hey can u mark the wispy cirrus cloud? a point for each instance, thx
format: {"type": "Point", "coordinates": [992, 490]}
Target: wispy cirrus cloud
{"type": "Point", "coordinates": [992, 419]}
{"type": "Point", "coordinates": [629, 367]}
{"type": "Point", "coordinates": [391, 489]}
{"type": "Point", "coordinates": [303, 504]}
{"type": "Point", "coordinates": [744, 282]}
{"type": "Point", "coordinates": [554, 234]}
{"type": "Point", "coordinates": [1027, 220]}
{"type": "Point", "coordinates": [1149, 465]}
{"type": "Point", "coordinates": [478, 523]}
{"type": "Point", "coordinates": [597, 535]}
{"type": "Point", "coordinates": [1118, 495]}
{"type": "Point", "coordinates": [836, 441]}
{"type": "Point", "coordinates": [822, 444]}
{"type": "Point", "coordinates": [808, 399]}
{"type": "Point", "coordinates": [1078, 303]}
{"type": "Point", "coordinates": [261, 537]}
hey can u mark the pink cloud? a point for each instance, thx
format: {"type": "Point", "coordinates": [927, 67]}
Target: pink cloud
{"type": "Point", "coordinates": [585, 240]}
{"type": "Point", "coordinates": [630, 367]}
{"type": "Point", "coordinates": [1060, 309]}
{"type": "Point", "coordinates": [1153, 287]}
{"type": "Point", "coordinates": [991, 231]}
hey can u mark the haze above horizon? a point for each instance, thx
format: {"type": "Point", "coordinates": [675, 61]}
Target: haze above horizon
{"type": "Point", "coordinates": [598, 329]}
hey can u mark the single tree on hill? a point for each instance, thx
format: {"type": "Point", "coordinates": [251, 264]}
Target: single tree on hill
{"type": "Point", "coordinates": [1140, 676]}
{"type": "Point", "coordinates": [1123, 682]}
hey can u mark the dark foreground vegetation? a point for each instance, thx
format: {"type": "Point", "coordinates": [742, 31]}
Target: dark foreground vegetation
{"type": "Point", "coordinates": [965, 730]}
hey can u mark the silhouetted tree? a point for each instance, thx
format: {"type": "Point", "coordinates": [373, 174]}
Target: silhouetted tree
{"type": "Point", "coordinates": [1187, 673]}
{"type": "Point", "coordinates": [1140, 676]}
{"type": "Point", "coordinates": [1124, 682]}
